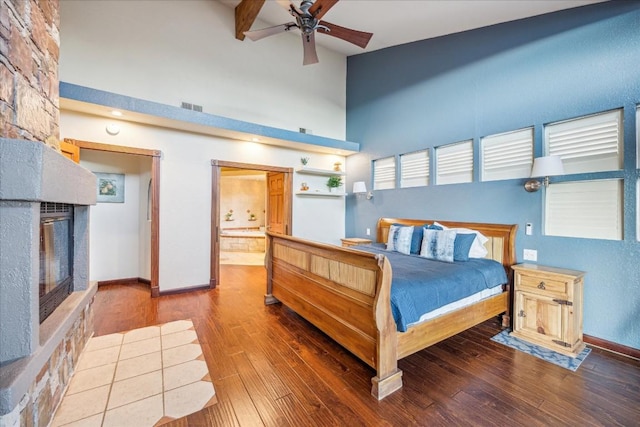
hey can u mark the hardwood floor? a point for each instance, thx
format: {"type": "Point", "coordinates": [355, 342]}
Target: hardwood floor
{"type": "Point", "coordinates": [270, 367]}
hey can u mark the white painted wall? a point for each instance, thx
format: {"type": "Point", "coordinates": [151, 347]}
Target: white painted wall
{"type": "Point", "coordinates": [185, 191]}
{"type": "Point", "coordinates": [182, 50]}
{"type": "Point", "coordinates": [115, 237]}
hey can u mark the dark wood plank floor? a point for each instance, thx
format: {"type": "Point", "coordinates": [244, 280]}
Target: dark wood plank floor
{"type": "Point", "coordinates": [270, 367]}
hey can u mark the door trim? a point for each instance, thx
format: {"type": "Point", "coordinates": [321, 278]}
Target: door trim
{"type": "Point", "coordinates": [216, 166]}
{"type": "Point", "coordinates": [155, 198]}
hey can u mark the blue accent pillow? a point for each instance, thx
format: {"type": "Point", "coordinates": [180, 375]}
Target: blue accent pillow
{"type": "Point", "coordinates": [462, 246]}
{"type": "Point", "coordinates": [399, 238]}
{"type": "Point", "coordinates": [438, 244]}
{"type": "Point", "coordinates": [416, 238]}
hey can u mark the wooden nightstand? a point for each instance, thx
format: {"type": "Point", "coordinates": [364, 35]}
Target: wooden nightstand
{"type": "Point", "coordinates": [547, 308]}
{"type": "Point", "coordinates": [353, 241]}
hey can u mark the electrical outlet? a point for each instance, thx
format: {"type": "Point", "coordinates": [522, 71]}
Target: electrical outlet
{"type": "Point", "coordinates": [530, 255]}
{"type": "Point", "coordinates": [368, 232]}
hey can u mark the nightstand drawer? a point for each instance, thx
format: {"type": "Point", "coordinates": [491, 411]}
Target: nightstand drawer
{"type": "Point", "coordinates": [540, 284]}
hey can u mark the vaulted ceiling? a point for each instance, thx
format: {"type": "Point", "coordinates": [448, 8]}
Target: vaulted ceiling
{"type": "Point", "coordinates": [395, 22]}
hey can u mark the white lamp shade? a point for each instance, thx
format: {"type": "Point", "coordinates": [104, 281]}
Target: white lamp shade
{"type": "Point", "coordinates": [547, 166]}
{"type": "Point", "coordinates": [359, 187]}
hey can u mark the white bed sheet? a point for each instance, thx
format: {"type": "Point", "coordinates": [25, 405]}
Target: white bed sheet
{"type": "Point", "coordinates": [485, 293]}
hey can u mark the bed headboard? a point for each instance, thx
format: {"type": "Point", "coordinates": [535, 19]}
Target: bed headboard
{"type": "Point", "coordinates": [500, 246]}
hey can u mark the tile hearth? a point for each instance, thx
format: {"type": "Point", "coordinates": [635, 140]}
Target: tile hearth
{"type": "Point", "coordinates": [144, 377]}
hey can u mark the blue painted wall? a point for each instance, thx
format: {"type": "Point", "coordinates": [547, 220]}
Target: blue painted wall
{"type": "Point", "coordinates": [492, 80]}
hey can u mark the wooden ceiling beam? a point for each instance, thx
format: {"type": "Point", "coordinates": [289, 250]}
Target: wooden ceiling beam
{"type": "Point", "coordinates": [246, 13]}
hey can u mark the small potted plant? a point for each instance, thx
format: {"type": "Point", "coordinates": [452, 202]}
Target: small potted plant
{"type": "Point", "coordinates": [229, 215]}
{"type": "Point", "coordinates": [252, 216]}
{"type": "Point", "coordinates": [304, 161]}
{"type": "Point", "coordinates": [334, 181]}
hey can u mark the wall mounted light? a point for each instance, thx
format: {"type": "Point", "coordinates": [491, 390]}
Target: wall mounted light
{"type": "Point", "coordinates": [544, 167]}
{"type": "Point", "coordinates": [360, 190]}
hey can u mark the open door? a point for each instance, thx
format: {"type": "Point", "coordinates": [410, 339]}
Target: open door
{"type": "Point", "coordinates": [276, 221]}
{"type": "Point", "coordinates": [279, 189]}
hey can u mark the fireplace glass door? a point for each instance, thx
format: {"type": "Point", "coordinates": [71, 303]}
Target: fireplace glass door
{"type": "Point", "coordinates": [56, 256]}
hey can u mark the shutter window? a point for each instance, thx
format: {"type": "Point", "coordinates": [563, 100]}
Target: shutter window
{"type": "Point", "coordinates": [454, 163]}
{"type": "Point", "coordinates": [384, 173]}
{"type": "Point", "coordinates": [591, 209]}
{"type": "Point", "coordinates": [507, 155]}
{"type": "Point", "coordinates": [587, 144]}
{"type": "Point", "coordinates": [414, 169]}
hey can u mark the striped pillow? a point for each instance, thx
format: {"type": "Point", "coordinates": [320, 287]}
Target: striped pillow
{"type": "Point", "coordinates": [399, 238]}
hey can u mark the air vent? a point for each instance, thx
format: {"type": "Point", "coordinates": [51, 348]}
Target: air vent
{"type": "Point", "coordinates": [49, 208]}
{"type": "Point", "coordinates": [189, 106]}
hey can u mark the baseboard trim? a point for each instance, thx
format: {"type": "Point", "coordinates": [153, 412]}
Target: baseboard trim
{"type": "Point", "coordinates": [623, 350]}
{"type": "Point", "coordinates": [128, 281]}
{"type": "Point", "coordinates": [183, 290]}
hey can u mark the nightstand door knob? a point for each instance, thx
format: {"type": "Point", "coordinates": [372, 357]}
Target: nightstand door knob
{"type": "Point", "coordinates": [541, 286]}
{"type": "Point", "coordinates": [522, 314]}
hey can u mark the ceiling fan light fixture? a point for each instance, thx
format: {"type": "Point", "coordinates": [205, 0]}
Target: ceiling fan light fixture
{"type": "Point", "coordinates": [308, 21]}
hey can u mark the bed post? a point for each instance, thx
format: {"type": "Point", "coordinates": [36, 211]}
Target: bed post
{"type": "Point", "coordinates": [269, 298]}
{"type": "Point", "coordinates": [388, 377]}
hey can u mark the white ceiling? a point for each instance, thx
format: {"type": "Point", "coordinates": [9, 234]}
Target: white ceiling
{"type": "Point", "coordinates": [395, 22]}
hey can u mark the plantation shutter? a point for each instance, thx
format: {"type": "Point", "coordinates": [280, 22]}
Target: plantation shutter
{"type": "Point", "coordinates": [587, 144]}
{"type": "Point", "coordinates": [384, 173]}
{"type": "Point", "coordinates": [508, 155]}
{"type": "Point", "coordinates": [454, 163]}
{"type": "Point", "coordinates": [591, 209]}
{"type": "Point", "coordinates": [414, 169]}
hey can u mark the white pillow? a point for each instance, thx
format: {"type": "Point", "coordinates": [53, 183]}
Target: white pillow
{"type": "Point", "coordinates": [399, 238]}
{"type": "Point", "coordinates": [477, 248]}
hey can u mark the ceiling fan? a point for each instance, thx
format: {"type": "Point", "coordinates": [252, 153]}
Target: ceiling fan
{"type": "Point", "coordinates": [308, 21]}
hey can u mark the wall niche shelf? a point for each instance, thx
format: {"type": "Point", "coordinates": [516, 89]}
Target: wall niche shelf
{"type": "Point", "coordinates": [320, 194]}
{"type": "Point", "coordinates": [321, 172]}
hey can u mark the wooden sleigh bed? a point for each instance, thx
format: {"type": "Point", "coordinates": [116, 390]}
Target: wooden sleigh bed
{"type": "Point", "coordinates": [346, 293]}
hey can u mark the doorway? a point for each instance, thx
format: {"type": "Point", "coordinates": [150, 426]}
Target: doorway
{"type": "Point", "coordinates": [153, 197]}
{"type": "Point", "coordinates": [276, 215]}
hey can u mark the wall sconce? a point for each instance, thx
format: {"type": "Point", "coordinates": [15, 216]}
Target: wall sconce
{"type": "Point", "coordinates": [360, 189]}
{"type": "Point", "coordinates": [544, 167]}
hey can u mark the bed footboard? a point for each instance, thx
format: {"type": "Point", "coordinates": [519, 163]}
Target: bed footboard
{"type": "Point", "coordinates": [343, 292]}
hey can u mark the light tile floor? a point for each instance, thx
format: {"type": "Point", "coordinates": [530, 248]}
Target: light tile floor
{"type": "Point", "coordinates": [242, 258]}
{"type": "Point", "coordinates": [144, 377]}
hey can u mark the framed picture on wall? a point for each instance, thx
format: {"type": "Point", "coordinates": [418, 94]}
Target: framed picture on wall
{"type": "Point", "coordinates": [110, 187]}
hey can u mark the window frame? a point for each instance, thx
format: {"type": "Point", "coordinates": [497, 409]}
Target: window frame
{"type": "Point", "coordinates": [520, 146]}
{"type": "Point", "coordinates": [449, 160]}
{"type": "Point", "coordinates": [415, 177]}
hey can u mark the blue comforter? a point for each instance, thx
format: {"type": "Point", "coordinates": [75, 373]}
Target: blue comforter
{"type": "Point", "coordinates": [420, 285]}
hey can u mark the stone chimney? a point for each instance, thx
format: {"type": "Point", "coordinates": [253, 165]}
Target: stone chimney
{"type": "Point", "coordinates": [29, 52]}
{"type": "Point", "coordinates": [36, 359]}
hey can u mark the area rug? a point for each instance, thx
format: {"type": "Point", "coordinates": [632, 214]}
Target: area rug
{"type": "Point", "coordinates": [143, 377]}
{"type": "Point", "coordinates": [567, 362]}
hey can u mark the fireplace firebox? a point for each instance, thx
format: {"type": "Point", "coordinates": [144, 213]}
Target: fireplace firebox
{"type": "Point", "coordinates": [56, 256]}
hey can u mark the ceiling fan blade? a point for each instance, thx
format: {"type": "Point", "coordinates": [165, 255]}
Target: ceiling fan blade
{"type": "Point", "coordinates": [309, 45]}
{"type": "Point", "coordinates": [359, 38]}
{"type": "Point", "coordinates": [320, 7]}
{"type": "Point", "coordinates": [270, 31]}
{"type": "Point", "coordinates": [288, 4]}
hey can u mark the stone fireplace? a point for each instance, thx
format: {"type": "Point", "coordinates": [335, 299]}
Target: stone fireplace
{"type": "Point", "coordinates": [36, 359]}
